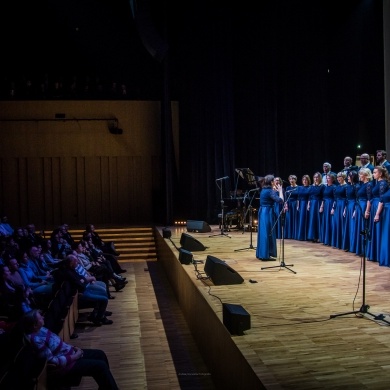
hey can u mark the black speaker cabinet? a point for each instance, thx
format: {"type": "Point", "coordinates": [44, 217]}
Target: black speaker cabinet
{"type": "Point", "coordinates": [220, 273]}
{"type": "Point", "coordinates": [235, 318]}
{"type": "Point", "coordinates": [198, 226]}
{"type": "Point", "coordinates": [185, 257]}
{"type": "Point", "coordinates": [166, 233]}
{"type": "Point", "coordinates": [189, 243]}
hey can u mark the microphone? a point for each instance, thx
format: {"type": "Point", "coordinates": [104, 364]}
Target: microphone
{"type": "Point", "coordinates": [254, 189]}
{"type": "Point", "coordinates": [292, 190]}
{"type": "Point", "coordinates": [222, 178]}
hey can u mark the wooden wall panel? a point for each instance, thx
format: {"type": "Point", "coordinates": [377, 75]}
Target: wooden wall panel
{"type": "Point", "coordinates": [76, 171]}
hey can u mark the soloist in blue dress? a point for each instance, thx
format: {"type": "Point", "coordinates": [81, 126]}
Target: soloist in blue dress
{"type": "Point", "coordinates": [266, 233]}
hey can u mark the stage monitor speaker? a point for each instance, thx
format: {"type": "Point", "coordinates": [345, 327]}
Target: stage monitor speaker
{"type": "Point", "coordinates": [185, 257]}
{"type": "Point", "coordinates": [189, 243]}
{"type": "Point", "coordinates": [235, 318]}
{"type": "Point", "coordinates": [198, 226]}
{"type": "Point", "coordinates": [220, 273]}
{"type": "Point", "coordinates": [166, 233]}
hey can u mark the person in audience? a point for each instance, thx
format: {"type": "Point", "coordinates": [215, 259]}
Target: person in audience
{"type": "Point", "coordinates": [64, 359]}
{"type": "Point", "coordinates": [38, 264]}
{"type": "Point", "coordinates": [66, 235]}
{"type": "Point", "coordinates": [41, 287]}
{"type": "Point", "coordinates": [14, 300]}
{"type": "Point", "coordinates": [33, 237]}
{"type": "Point", "coordinates": [15, 276]}
{"type": "Point", "coordinates": [90, 290]}
{"type": "Point", "coordinates": [20, 237]}
{"type": "Point", "coordinates": [105, 247]}
{"type": "Point", "coordinates": [99, 269]}
{"type": "Point", "coordinates": [60, 247]}
{"type": "Point", "coordinates": [6, 227]}
{"type": "Point", "coordinates": [47, 254]}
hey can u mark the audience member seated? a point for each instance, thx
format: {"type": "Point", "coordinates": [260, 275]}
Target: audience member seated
{"type": "Point", "coordinates": [90, 289]}
{"type": "Point", "coordinates": [20, 237]}
{"type": "Point", "coordinates": [64, 228]}
{"type": "Point", "coordinates": [60, 247]}
{"type": "Point", "coordinates": [14, 300]}
{"type": "Point", "coordinates": [5, 226]}
{"type": "Point", "coordinates": [42, 289]}
{"type": "Point", "coordinates": [96, 253]}
{"type": "Point", "coordinates": [105, 247]}
{"type": "Point", "coordinates": [99, 269]}
{"type": "Point", "coordinates": [33, 237]}
{"type": "Point", "coordinates": [49, 258]}
{"type": "Point", "coordinates": [66, 361]}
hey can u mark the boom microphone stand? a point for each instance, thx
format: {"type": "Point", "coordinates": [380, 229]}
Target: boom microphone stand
{"type": "Point", "coordinates": [364, 308]}
{"type": "Point", "coordinates": [282, 217]}
{"type": "Point", "coordinates": [222, 223]}
{"type": "Point", "coordinates": [250, 221]}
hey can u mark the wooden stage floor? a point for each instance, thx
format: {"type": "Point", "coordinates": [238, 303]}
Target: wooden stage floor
{"type": "Point", "coordinates": [293, 343]}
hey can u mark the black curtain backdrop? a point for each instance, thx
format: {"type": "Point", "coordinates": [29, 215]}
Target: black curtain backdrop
{"type": "Point", "coordinates": [278, 86]}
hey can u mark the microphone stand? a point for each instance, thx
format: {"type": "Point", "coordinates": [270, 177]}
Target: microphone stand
{"type": "Point", "coordinates": [364, 308]}
{"type": "Point", "coordinates": [222, 223]}
{"type": "Point", "coordinates": [250, 222]}
{"type": "Point", "coordinates": [282, 217]}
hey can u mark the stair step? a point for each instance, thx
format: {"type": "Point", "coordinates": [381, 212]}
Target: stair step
{"type": "Point", "coordinates": [135, 244]}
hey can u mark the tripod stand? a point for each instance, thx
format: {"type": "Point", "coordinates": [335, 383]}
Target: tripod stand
{"type": "Point", "coordinates": [364, 308]}
{"type": "Point", "coordinates": [222, 221]}
{"type": "Point", "coordinates": [282, 217]}
{"type": "Point", "coordinates": [250, 223]}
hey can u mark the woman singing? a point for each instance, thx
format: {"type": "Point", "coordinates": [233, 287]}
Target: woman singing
{"type": "Point", "coordinates": [266, 235]}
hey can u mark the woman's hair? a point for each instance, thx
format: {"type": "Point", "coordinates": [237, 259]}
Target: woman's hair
{"type": "Point", "coordinates": [29, 320]}
{"type": "Point", "coordinates": [342, 174]}
{"type": "Point", "coordinates": [318, 174]}
{"type": "Point", "coordinates": [332, 176]}
{"type": "Point", "coordinates": [366, 172]}
{"type": "Point", "coordinates": [268, 179]}
{"type": "Point", "coordinates": [307, 177]}
{"type": "Point", "coordinates": [384, 174]}
{"type": "Point", "coordinates": [353, 175]}
{"type": "Point", "coordinates": [292, 177]}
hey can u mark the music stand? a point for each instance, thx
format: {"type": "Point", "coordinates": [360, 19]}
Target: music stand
{"type": "Point", "coordinates": [282, 217]}
{"type": "Point", "coordinates": [364, 308]}
{"type": "Point", "coordinates": [250, 221]}
{"type": "Point", "coordinates": [222, 223]}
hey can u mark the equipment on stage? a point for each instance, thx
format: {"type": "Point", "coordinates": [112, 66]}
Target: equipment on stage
{"type": "Point", "coordinates": [235, 318]}
{"type": "Point", "coordinates": [220, 273]}
{"type": "Point", "coordinates": [191, 244]}
{"type": "Point", "coordinates": [198, 226]}
{"type": "Point", "coordinates": [364, 308]}
{"type": "Point", "coordinates": [222, 214]}
{"type": "Point", "coordinates": [282, 219]}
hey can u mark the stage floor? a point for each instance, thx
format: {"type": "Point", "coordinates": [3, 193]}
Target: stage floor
{"type": "Point", "coordinates": [293, 342]}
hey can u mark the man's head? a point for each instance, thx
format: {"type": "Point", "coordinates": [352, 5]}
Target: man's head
{"type": "Point", "coordinates": [364, 159]}
{"type": "Point", "coordinates": [347, 161]}
{"type": "Point", "coordinates": [380, 156]}
{"type": "Point", "coordinates": [326, 167]}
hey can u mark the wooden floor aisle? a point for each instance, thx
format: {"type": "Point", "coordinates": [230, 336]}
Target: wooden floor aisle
{"type": "Point", "coordinates": [292, 344]}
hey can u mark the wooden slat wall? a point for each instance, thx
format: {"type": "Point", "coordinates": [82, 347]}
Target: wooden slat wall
{"type": "Point", "coordinates": [77, 171]}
